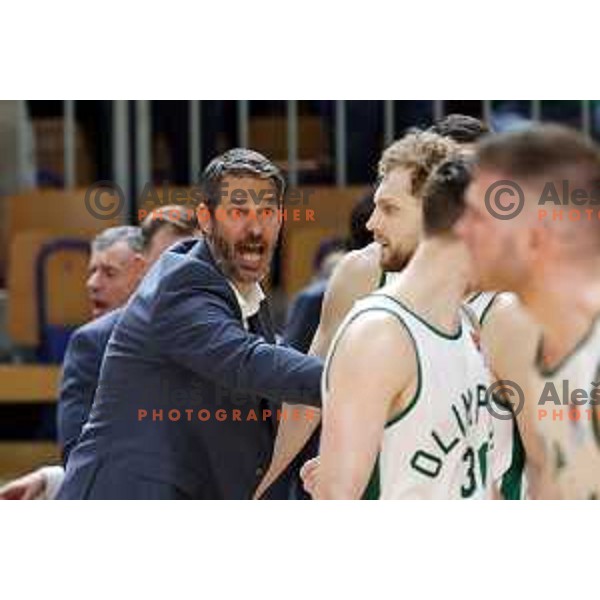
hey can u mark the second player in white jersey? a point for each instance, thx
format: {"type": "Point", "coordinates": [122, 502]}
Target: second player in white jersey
{"type": "Point", "coordinates": [568, 418]}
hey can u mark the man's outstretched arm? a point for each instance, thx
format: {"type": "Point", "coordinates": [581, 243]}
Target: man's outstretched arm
{"type": "Point", "coordinates": [354, 278]}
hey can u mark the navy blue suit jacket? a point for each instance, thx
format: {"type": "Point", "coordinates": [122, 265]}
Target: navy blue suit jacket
{"type": "Point", "coordinates": [180, 348]}
{"type": "Point", "coordinates": [81, 369]}
{"type": "Point", "coordinates": [304, 316]}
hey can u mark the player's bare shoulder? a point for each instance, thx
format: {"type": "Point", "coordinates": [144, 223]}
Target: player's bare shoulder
{"type": "Point", "coordinates": [375, 347]}
{"type": "Point", "coordinates": [359, 271]}
{"type": "Point", "coordinates": [356, 276]}
{"type": "Point", "coordinates": [508, 323]}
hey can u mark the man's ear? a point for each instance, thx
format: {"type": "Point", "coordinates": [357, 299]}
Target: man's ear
{"type": "Point", "coordinates": [204, 220]}
{"type": "Point", "coordinates": [140, 263]}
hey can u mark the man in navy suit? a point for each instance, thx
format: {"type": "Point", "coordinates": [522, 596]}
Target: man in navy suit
{"type": "Point", "coordinates": [186, 403]}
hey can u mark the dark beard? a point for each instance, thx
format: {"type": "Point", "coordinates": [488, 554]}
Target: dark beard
{"type": "Point", "coordinates": [224, 253]}
{"type": "Point", "coordinates": [396, 263]}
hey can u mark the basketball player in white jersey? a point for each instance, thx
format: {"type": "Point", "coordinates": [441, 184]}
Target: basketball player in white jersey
{"type": "Point", "coordinates": [553, 265]}
{"type": "Point", "coordinates": [405, 410]}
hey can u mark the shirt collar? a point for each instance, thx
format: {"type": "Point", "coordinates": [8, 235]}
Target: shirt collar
{"type": "Point", "coordinates": [249, 303]}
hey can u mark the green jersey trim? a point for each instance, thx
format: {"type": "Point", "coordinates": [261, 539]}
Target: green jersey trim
{"type": "Point", "coordinates": [410, 405]}
{"type": "Point", "coordinates": [486, 310]}
{"type": "Point", "coordinates": [373, 489]}
{"type": "Point", "coordinates": [444, 334]}
{"type": "Point", "coordinates": [512, 481]}
{"type": "Point", "coordinates": [550, 371]}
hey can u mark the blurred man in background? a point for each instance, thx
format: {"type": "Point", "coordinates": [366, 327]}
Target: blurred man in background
{"type": "Point", "coordinates": [552, 264]}
{"type": "Point", "coordinates": [116, 267]}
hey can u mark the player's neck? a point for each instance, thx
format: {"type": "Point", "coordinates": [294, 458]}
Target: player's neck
{"type": "Point", "coordinates": [435, 281]}
{"type": "Point", "coordinates": [575, 293]}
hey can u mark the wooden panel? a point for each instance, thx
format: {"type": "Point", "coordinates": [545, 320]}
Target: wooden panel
{"type": "Point", "coordinates": [18, 458]}
{"type": "Point", "coordinates": [23, 327]}
{"type": "Point", "coordinates": [269, 136]}
{"type": "Point", "coordinates": [67, 300]}
{"type": "Point", "coordinates": [29, 383]}
{"type": "Point", "coordinates": [331, 208]}
{"type": "Point", "coordinates": [61, 212]}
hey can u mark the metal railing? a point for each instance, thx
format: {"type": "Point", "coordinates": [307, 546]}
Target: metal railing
{"type": "Point", "coordinates": [121, 168]}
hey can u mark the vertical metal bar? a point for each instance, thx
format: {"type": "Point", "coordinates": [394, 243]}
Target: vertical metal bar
{"type": "Point", "coordinates": [536, 110]}
{"type": "Point", "coordinates": [195, 149]}
{"type": "Point", "coordinates": [438, 110]}
{"type": "Point", "coordinates": [120, 151]}
{"type": "Point", "coordinates": [292, 141]}
{"type": "Point", "coordinates": [143, 141]}
{"type": "Point", "coordinates": [586, 118]}
{"type": "Point", "coordinates": [389, 129]}
{"type": "Point", "coordinates": [69, 144]}
{"type": "Point", "coordinates": [24, 148]}
{"type": "Point", "coordinates": [243, 114]}
{"type": "Point", "coordinates": [487, 112]}
{"type": "Point", "coordinates": [340, 143]}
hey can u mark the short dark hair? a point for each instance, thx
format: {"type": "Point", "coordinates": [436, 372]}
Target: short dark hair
{"type": "Point", "coordinates": [360, 236]}
{"type": "Point", "coordinates": [444, 196]}
{"type": "Point", "coordinates": [180, 219]}
{"type": "Point", "coordinates": [132, 236]}
{"type": "Point", "coordinates": [240, 162]}
{"type": "Point", "coordinates": [460, 128]}
{"type": "Point", "coordinates": [542, 152]}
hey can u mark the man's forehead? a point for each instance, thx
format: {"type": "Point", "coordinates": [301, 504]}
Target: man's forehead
{"type": "Point", "coordinates": [247, 182]}
{"type": "Point", "coordinates": [248, 190]}
{"type": "Point", "coordinates": [115, 254]}
{"type": "Point", "coordinates": [395, 185]}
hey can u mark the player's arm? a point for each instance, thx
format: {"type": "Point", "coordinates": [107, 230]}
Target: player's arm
{"type": "Point", "coordinates": [510, 338]}
{"type": "Point", "coordinates": [354, 277]}
{"type": "Point", "coordinates": [374, 363]}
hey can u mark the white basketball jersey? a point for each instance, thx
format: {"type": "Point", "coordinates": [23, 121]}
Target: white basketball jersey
{"type": "Point", "coordinates": [509, 464]}
{"type": "Point", "coordinates": [570, 427]}
{"type": "Point", "coordinates": [440, 446]}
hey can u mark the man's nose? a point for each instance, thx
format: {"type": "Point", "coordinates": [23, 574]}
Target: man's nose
{"type": "Point", "coordinates": [93, 282]}
{"type": "Point", "coordinates": [255, 224]}
{"type": "Point", "coordinates": [372, 222]}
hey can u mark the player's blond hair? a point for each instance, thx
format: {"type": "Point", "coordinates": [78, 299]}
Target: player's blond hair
{"type": "Point", "coordinates": [420, 152]}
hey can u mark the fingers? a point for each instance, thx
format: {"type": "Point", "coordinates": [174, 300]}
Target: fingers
{"type": "Point", "coordinates": [309, 474]}
{"type": "Point", "coordinates": [29, 487]}
{"type": "Point", "coordinates": [33, 490]}
{"type": "Point", "coordinates": [12, 491]}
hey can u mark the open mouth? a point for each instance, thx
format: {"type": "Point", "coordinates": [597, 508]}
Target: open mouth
{"type": "Point", "coordinates": [99, 307]}
{"type": "Point", "coordinates": [251, 255]}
